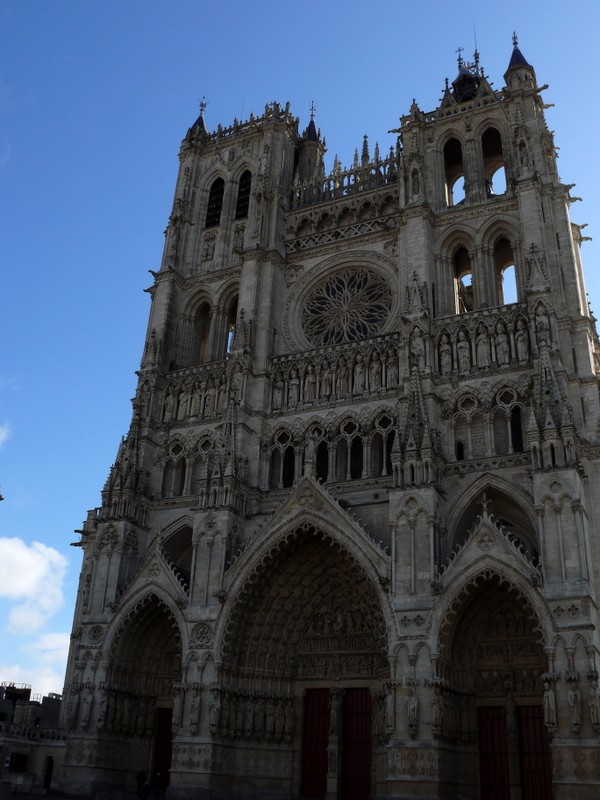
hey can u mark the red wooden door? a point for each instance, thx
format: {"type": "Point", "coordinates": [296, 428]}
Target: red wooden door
{"type": "Point", "coordinates": [536, 775]}
{"type": "Point", "coordinates": [315, 738]}
{"type": "Point", "coordinates": [356, 745]}
{"type": "Point", "coordinates": [493, 756]}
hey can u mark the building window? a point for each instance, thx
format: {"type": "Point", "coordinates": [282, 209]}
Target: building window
{"type": "Point", "coordinates": [243, 198]}
{"type": "Point", "coordinates": [215, 203]}
{"type": "Point", "coordinates": [463, 276]}
{"type": "Point", "coordinates": [493, 163]}
{"type": "Point", "coordinates": [454, 172]}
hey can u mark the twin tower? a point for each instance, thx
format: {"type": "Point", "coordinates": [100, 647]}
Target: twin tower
{"type": "Point", "coordinates": [348, 547]}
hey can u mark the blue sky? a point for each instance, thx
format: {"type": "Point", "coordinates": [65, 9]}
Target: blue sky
{"type": "Point", "coordinates": [95, 98]}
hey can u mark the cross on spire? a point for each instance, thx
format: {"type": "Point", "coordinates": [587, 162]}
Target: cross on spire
{"type": "Point", "coordinates": [313, 108]}
{"type": "Point", "coordinates": [459, 50]}
{"type": "Point", "coordinates": [515, 39]}
{"type": "Point", "coordinates": [203, 105]}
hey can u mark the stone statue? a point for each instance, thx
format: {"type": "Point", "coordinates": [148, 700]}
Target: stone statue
{"type": "Point", "coordinates": [222, 394]}
{"type": "Point", "coordinates": [445, 355]}
{"type": "Point", "coordinates": [463, 350]}
{"type": "Point", "coordinates": [184, 402]}
{"type": "Point", "coordinates": [310, 384]}
{"type": "Point", "coordinates": [358, 385]}
{"type": "Point", "coordinates": [169, 406]}
{"type": "Point", "coordinates": [326, 380]}
{"type": "Point", "coordinates": [210, 396]}
{"type": "Point", "coordinates": [502, 346]}
{"type": "Point", "coordinates": [417, 350]}
{"type": "Point", "coordinates": [549, 706]}
{"type": "Point", "coordinates": [594, 704]}
{"type": "Point", "coordinates": [542, 328]}
{"type": "Point", "coordinates": [391, 365]}
{"type": "Point", "coordinates": [342, 385]}
{"type": "Point", "coordinates": [196, 400]}
{"type": "Point", "coordinates": [482, 344]}
{"type": "Point", "coordinates": [522, 342]}
{"type": "Point", "coordinates": [574, 699]}
{"type": "Point", "coordinates": [375, 372]}
{"type": "Point", "coordinates": [278, 387]}
{"type": "Point", "coordinates": [310, 448]}
{"type": "Point", "coordinates": [334, 712]}
{"type": "Point", "coordinates": [294, 389]}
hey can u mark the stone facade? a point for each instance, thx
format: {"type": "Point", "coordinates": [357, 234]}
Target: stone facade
{"type": "Point", "coordinates": [348, 545]}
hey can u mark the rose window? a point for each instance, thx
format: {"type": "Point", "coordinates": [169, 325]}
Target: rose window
{"type": "Point", "coordinates": [352, 304]}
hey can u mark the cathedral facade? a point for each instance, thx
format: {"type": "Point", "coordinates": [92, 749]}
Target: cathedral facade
{"type": "Point", "coordinates": [349, 547]}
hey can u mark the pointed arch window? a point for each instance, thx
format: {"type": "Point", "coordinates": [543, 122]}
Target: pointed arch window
{"type": "Point", "coordinates": [243, 198]}
{"type": "Point", "coordinates": [215, 203]}
{"type": "Point", "coordinates": [454, 173]}
{"type": "Point", "coordinates": [463, 276]}
{"type": "Point", "coordinates": [493, 163]}
{"type": "Point", "coordinates": [504, 267]}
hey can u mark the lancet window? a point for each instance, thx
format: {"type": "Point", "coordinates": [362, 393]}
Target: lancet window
{"type": "Point", "coordinates": [454, 173]}
{"type": "Point", "coordinates": [215, 203]}
{"type": "Point", "coordinates": [493, 162]}
{"type": "Point", "coordinates": [174, 472]}
{"type": "Point", "coordinates": [463, 281]}
{"type": "Point", "coordinates": [283, 461]}
{"type": "Point", "coordinates": [504, 268]}
{"type": "Point", "coordinates": [243, 197]}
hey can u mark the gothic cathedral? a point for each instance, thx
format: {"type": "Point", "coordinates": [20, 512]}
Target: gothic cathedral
{"type": "Point", "coordinates": [348, 547]}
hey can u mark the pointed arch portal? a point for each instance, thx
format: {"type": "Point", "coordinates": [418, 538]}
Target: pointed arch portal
{"type": "Point", "coordinates": [490, 692]}
{"type": "Point", "coordinates": [303, 660]}
{"type": "Point", "coordinates": [145, 664]}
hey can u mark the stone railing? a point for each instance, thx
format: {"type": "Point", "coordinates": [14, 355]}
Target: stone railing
{"type": "Point", "coordinates": [343, 182]}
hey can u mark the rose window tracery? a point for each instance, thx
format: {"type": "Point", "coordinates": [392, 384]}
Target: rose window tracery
{"type": "Point", "coordinates": [351, 305]}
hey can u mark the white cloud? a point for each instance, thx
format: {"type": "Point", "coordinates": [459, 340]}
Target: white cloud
{"type": "Point", "coordinates": [42, 678]}
{"type": "Point", "coordinates": [5, 433]}
{"type": "Point", "coordinates": [31, 577]}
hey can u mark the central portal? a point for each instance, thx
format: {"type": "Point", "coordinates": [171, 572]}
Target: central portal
{"type": "Point", "coordinates": [336, 743]}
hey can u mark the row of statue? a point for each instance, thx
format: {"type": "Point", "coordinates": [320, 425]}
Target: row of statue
{"type": "Point", "coordinates": [327, 380]}
{"type": "Point", "coordinates": [574, 702]}
{"type": "Point", "coordinates": [236, 716]}
{"type": "Point", "coordinates": [463, 352]}
{"type": "Point", "coordinates": [202, 398]}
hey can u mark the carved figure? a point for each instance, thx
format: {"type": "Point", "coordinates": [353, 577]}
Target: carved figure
{"type": "Point", "coordinates": [522, 342]}
{"type": "Point", "coordinates": [278, 387]}
{"type": "Point", "coordinates": [169, 406]}
{"type": "Point", "coordinates": [294, 389]}
{"type": "Point", "coordinates": [412, 708]}
{"type": "Point", "coordinates": [549, 706]}
{"type": "Point", "coordinates": [542, 328]}
{"type": "Point", "coordinates": [502, 346]}
{"type": "Point", "coordinates": [209, 397]}
{"type": "Point", "coordinates": [358, 385]}
{"type": "Point", "coordinates": [213, 716]}
{"type": "Point", "coordinates": [326, 380]}
{"type": "Point", "coordinates": [594, 703]}
{"type": "Point", "coordinates": [102, 706]}
{"type": "Point", "coordinates": [483, 347]}
{"type": "Point", "coordinates": [196, 400]}
{"type": "Point", "coordinates": [417, 350]}
{"type": "Point", "coordinates": [310, 384]}
{"type": "Point", "coordinates": [463, 350]}
{"type": "Point", "coordinates": [342, 385]}
{"type": "Point", "coordinates": [236, 383]}
{"type": "Point", "coordinates": [391, 369]}
{"type": "Point", "coordinates": [445, 355]}
{"type": "Point", "coordinates": [222, 394]}
{"type": "Point", "coordinates": [279, 720]}
{"type": "Point", "coordinates": [184, 402]}
{"type": "Point", "coordinates": [375, 372]}
{"type": "Point", "coordinates": [310, 448]}
{"type": "Point", "coordinates": [574, 699]}
{"type": "Point", "coordinates": [334, 712]}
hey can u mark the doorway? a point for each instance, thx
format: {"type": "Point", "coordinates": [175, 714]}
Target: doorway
{"type": "Point", "coordinates": [354, 741]}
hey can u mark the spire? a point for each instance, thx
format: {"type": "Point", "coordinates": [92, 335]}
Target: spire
{"type": "Point", "coordinates": [200, 124]}
{"type": "Point", "coordinates": [517, 59]}
{"type": "Point", "coordinates": [311, 132]}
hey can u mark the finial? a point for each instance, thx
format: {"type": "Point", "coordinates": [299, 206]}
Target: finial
{"type": "Point", "coordinates": [447, 82]}
{"type": "Point", "coordinates": [313, 108]}
{"type": "Point", "coordinates": [203, 105]}
{"type": "Point", "coordinates": [459, 50]}
{"type": "Point", "coordinates": [515, 39]}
